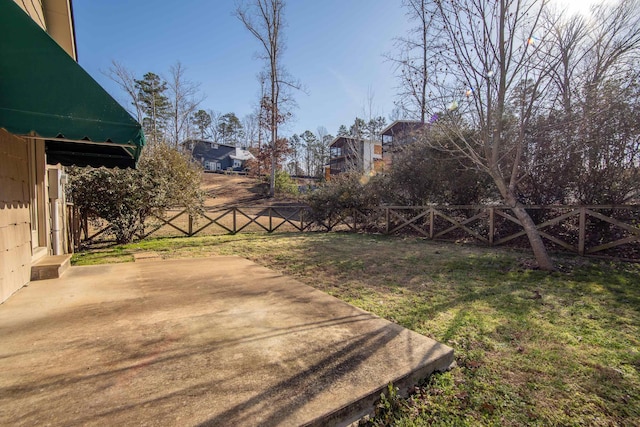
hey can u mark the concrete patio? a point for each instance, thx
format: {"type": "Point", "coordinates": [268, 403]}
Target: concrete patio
{"type": "Point", "coordinates": [212, 341]}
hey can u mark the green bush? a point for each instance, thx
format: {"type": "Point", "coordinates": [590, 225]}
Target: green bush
{"type": "Point", "coordinates": [421, 175]}
{"type": "Point", "coordinates": [340, 196]}
{"type": "Point", "coordinates": [125, 198]}
{"type": "Point", "coordinates": [284, 184]}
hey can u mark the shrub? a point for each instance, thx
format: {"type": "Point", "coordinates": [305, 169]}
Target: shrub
{"type": "Point", "coordinates": [125, 198]}
{"type": "Point", "coordinates": [285, 185]}
{"type": "Point", "coordinates": [421, 175]}
{"type": "Point", "coordinates": [340, 196]}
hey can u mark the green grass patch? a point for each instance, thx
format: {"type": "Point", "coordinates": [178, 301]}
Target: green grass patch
{"type": "Point", "coordinates": [532, 348]}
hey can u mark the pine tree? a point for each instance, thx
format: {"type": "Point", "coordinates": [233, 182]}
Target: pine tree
{"type": "Point", "coordinates": [155, 105]}
{"type": "Point", "coordinates": [230, 129]}
{"type": "Point", "coordinates": [202, 120]}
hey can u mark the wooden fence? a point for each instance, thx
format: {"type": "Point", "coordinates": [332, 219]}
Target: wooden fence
{"type": "Point", "coordinates": [585, 230]}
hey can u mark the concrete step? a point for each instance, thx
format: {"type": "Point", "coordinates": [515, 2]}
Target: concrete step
{"type": "Point", "coordinates": [50, 267]}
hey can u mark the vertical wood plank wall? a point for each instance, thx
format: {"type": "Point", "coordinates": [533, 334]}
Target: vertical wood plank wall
{"type": "Point", "coordinates": [15, 225]}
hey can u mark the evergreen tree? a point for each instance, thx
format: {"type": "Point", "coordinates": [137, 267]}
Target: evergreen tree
{"type": "Point", "coordinates": [202, 120]}
{"type": "Point", "coordinates": [311, 146]}
{"type": "Point", "coordinates": [154, 104]}
{"type": "Point", "coordinates": [295, 144]}
{"type": "Point", "coordinates": [358, 128]}
{"type": "Point", "coordinates": [230, 129]}
{"type": "Point", "coordinates": [374, 128]}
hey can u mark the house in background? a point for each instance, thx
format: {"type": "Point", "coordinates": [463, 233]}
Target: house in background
{"type": "Point", "coordinates": [396, 135]}
{"type": "Point", "coordinates": [215, 156]}
{"type": "Point", "coordinates": [52, 114]}
{"type": "Point", "coordinates": [348, 154]}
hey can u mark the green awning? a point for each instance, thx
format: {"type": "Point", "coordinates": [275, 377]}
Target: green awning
{"type": "Point", "coordinates": [44, 92]}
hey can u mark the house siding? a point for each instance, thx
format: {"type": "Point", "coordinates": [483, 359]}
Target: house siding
{"type": "Point", "coordinates": [207, 152]}
{"type": "Point", "coordinates": [347, 153]}
{"type": "Point", "coordinates": [34, 10]}
{"type": "Point", "coordinates": [15, 217]}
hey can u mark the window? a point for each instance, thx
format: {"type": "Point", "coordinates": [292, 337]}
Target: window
{"type": "Point", "coordinates": [237, 164]}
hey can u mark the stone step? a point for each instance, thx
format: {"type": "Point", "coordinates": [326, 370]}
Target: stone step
{"type": "Point", "coordinates": [50, 267]}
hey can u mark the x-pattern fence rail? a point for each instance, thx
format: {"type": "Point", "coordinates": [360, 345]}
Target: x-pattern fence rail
{"type": "Point", "coordinates": [611, 230]}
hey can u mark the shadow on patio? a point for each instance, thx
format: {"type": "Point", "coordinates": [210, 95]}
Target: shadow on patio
{"type": "Point", "coordinates": [216, 341]}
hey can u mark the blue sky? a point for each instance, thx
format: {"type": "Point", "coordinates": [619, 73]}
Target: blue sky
{"type": "Point", "coordinates": [334, 47]}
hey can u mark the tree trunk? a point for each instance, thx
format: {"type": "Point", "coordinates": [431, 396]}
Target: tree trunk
{"type": "Point", "coordinates": [272, 180]}
{"type": "Point", "coordinates": [535, 240]}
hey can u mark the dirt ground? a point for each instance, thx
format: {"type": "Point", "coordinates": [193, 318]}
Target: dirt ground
{"type": "Point", "coordinates": [238, 190]}
{"type": "Point", "coordinates": [226, 190]}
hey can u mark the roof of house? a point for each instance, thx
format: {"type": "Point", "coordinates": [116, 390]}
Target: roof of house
{"type": "Point", "coordinates": [401, 126]}
{"type": "Point", "coordinates": [242, 154]}
{"type": "Point", "coordinates": [212, 150]}
{"type": "Point", "coordinates": [344, 138]}
{"type": "Point", "coordinates": [205, 141]}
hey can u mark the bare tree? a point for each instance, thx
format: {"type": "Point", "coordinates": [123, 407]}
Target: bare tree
{"type": "Point", "coordinates": [614, 39]}
{"type": "Point", "coordinates": [184, 98]}
{"type": "Point", "coordinates": [567, 37]}
{"type": "Point", "coordinates": [264, 20]}
{"type": "Point", "coordinates": [606, 126]}
{"type": "Point", "coordinates": [214, 125]}
{"type": "Point", "coordinates": [250, 124]}
{"type": "Point", "coordinates": [374, 120]}
{"type": "Point", "coordinates": [487, 87]}
{"type": "Point", "coordinates": [416, 57]}
{"type": "Point", "coordinates": [322, 155]}
{"type": "Point", "coordinates": [124, 78]}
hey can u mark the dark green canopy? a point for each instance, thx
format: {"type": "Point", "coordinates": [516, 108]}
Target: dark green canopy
{"type": "Point", "coordinates": [43, 91]}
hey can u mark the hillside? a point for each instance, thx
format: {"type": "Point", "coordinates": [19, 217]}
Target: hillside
{"type": "Point", "coordinates": [237, 190]}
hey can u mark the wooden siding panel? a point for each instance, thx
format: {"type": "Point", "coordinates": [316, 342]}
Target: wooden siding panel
{"type": "Point", "coordinates": [34, 10]}
{"type": "Point", "coordinates": [15, 225]}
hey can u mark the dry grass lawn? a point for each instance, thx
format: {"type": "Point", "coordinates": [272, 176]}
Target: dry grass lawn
{"type": "Point", "coordinates": [532, 348]}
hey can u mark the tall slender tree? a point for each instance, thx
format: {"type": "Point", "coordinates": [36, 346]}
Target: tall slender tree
{"type": "Point", "coordinates": [416, 57]}
{"type": "Point", "coordinates": [264, 20]}
{"type": "Point", "coordinates": [322, 155]}
{"type": "Point", "coordinates": [202, 120]}
{"type": "Point", "coordinates": [251, 128]}
{"type": "Point", "coordinates": [296, 147]}
{"type": "Point", "coordinates": [126, 80]}
{"type": "Point", "coordinates": [184, 98]}
{"type": "Point", "coordinates": [155, 106]}
{"type": "Point", "coordinates": [310, 149]}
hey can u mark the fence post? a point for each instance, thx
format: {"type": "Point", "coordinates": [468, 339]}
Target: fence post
{"type": "Point", "coordinates": [234, 220]}
{"type": "Point", "coordinates": [77, 228]}
{"type": "Point", "coordinates": [85, 225]}
{"type": "Point", "coordinates": [492, 226]}
{"type": "Point", "coordinates": [582, 230]}
{"type": "Point", "coordinates": [355, 222]}
{"type": "Point", "coordinates": [190, 225]}
{"type": "Point", "coordinates": [387, 226]}
{"type": "Point", "coordinates": [431, 218]}
{"type": "Point", "coordinates": [270, 220]}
